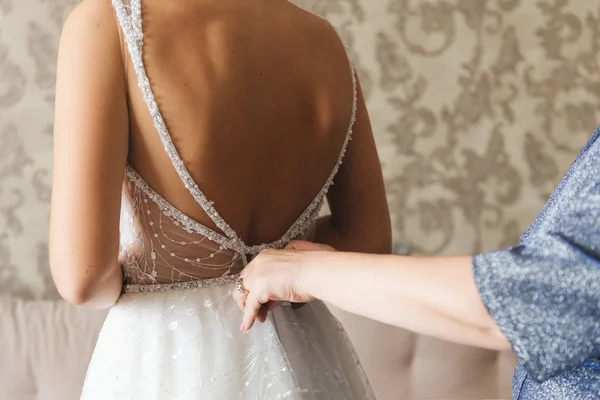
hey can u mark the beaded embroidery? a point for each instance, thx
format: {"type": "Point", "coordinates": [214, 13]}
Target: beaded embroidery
{"type": "Point", "coordinates": [198, 284]}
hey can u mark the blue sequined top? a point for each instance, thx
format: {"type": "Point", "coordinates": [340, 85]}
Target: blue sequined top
{"type": "Point", "coordinates": [544, 294]}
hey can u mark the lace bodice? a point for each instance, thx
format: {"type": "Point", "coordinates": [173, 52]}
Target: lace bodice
{"type": "Point", "coordinates": [159, 243]}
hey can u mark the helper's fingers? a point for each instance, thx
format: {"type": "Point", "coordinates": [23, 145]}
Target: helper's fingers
{"type": "Point", "coordinates": [273, 305]}
{"type": "Point", "coordinates": [265, 309]}
{"type": "Point", "coordinates": [251, 311]}
{"type": "Point", "coordinates": [262, 314]}
{"type": "Point", "coordinates": [239, 298]}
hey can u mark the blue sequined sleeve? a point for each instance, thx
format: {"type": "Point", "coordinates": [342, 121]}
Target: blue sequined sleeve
{"type": "Point", "coordinates": [544, 294]}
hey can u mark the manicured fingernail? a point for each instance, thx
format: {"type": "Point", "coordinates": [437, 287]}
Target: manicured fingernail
{"type": "Point", "coordinates": [242, 328]}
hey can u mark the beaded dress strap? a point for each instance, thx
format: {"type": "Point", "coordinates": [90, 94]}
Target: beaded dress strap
{"type": "Point", "coordinates": [130, 18]}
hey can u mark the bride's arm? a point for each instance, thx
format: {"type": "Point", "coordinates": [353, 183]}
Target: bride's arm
{"type": "Point", "coordinates": [360, 219]}
{"type": "Point", "coordinates": [90, 153]}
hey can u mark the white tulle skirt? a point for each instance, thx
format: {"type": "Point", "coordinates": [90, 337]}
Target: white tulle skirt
{"type": "Point", "coordinates": [187, 345]}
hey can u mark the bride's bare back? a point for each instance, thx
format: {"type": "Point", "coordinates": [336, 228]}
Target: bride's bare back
{"type": "Point", "coordinates": [257, 97]}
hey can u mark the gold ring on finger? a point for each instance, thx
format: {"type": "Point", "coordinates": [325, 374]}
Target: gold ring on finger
{"type": "Point", "coordinates": [239, 284]}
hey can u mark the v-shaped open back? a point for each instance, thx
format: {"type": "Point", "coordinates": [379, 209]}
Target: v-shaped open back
{"type": "Point", "coordinates": [154, 243]}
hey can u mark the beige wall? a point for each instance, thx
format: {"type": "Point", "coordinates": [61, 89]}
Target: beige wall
{"type": "Point", "coordinates": [479, 107]}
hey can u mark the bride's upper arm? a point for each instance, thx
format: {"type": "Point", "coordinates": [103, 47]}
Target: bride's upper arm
{"type": "Point", "coordinates": [358, 200]}
{"type": "Point", "coordinates": [90, 148]}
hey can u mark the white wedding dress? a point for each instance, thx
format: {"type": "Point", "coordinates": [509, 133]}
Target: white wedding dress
{"type": "Point", "coordinates": [174, 333]}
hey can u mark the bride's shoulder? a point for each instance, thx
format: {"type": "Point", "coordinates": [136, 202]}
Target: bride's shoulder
{"type": "Point", "coordinates": [318, 32]}
{"type": "Point", "coordinates": [92, 21]}
{"type": "Point", "coordinates": [91, 28]}
{"type": "Point", "coordinates": [309, 21]}
{"type": "Point", "coordinates": [94, 13]}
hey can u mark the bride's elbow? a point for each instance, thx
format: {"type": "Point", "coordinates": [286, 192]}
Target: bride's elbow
{"type": "Point", "coordinates": [97, 295]}
{"type": "Point", "coordinates": [75, 296]}
{"type": "Point", "coordinates": [85, 278]}
{"type": "Point", "coordinates": [71, 288]}
{"type": "Point", "coordinates": [76, 283]}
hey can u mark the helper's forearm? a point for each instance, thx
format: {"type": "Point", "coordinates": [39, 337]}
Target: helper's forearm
{"type": "Point", "coordinates": [432, 296]}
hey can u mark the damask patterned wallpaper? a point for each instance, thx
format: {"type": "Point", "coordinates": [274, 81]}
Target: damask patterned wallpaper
{"type": "Point", "coordinates": [479, 107]}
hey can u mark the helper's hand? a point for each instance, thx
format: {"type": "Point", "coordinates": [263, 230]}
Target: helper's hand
{"type": "Point", "coordinates": [275, 276]}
